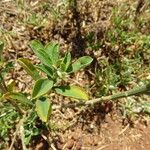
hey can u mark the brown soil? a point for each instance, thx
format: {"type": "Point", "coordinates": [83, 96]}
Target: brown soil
{"type": "Point", "coordinates": [109, 135]}
{"type": "Point", "coordinates": [98, 129]}
{"type": "Point", "coordinates": [98, 132]}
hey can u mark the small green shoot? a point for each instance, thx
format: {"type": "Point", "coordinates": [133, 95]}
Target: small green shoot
{"type": "Point", "coordinates": [56, 69]}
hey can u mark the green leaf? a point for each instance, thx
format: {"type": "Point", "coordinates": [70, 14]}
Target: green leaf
{"type": "Point", "coordinates": [41, 87]}
{"type": "Point", "coordinates": [29, 68]}
{"type": "Point", "coordinates": [17, 97]}
{"type": "Point", "coordinates": [38, 49]}
{"type": "Point", "coordinates": [1, 49]}
{"type": "Point", "coordinates": [72, 91]}
{"type": "Point", "coordinates": [43, 108]}
{"type": "Point", "coordinates": [44, 58]}
{"type": "Point", "coordinates": [36, 45]}
{"type": "Point", "coordinates": [46, 69]}
{"type": "Point", "coordinates": [66, 62]}
{"type": "Point", "coordinates": [52, 49]}
{"type": "Point", "coordinates": [80, 63]}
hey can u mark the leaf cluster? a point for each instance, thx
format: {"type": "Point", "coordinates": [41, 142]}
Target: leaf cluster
{"type": "Point", "coordinates": [56, 69]}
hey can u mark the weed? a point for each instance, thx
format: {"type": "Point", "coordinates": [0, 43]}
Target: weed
{"type": "Point", "coordinates": [7, 117]}
{"type": "Point", "coordinates": [127, 66]}
{"type": "Point", "coordinates": [56, 70]}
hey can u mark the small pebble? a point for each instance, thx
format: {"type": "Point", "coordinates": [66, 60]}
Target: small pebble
{"type": "Point", "coordinates": [70, 143]}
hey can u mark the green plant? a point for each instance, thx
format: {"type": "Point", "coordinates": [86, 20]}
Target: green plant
{"type": "Point", "coordinates": [8, 115]}
{"type": "Point", "coordinates": [56, 70]}
{"type": "Point", "coordinates": [125, 58]}
{"type": "Point", "coordinates": [6, 90]}
{"type": "Point", "coordinates": [50, 76]}
{"type": "Point", "coordinates": [30, 126]}
{"type": "Point", "coordinates": [8, 102]}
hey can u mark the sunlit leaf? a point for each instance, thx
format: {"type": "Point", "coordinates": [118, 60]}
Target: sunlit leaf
{"type": "Point", "coordinates": [17, 97]}
{"type": "Point", "coordinates": [43, 108]}
{"type": "Point", "coordinates": [72, 91]}
{"type": "Point", "coordinates": [52, 50]}
{"type": "Point", "coordinates": [46, 69]}
{"type": "Point", "coordinates": [41, 87]}
{"type": "Point", "coordinates": [66, 62]}
{"type": "Point", "coordinates": [36, 45]}
{"type": "Point", "coordinates": [80, 63]}
{"type": "Point", "coordinates": [38, 49]}
{"type": "Point", "coordinates": [44, 58]}
{"type": "Point", "coordinates": [29, 68]}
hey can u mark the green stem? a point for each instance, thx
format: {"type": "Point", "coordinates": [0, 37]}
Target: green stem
{"type": "Point", "coordinates": [114, 97]}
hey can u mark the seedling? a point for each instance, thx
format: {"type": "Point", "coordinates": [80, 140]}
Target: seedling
{"type": "Point", "coordinates": [56, 70]}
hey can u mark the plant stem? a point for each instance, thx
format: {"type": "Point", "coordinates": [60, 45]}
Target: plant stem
{"type": "Point", "coordinates": [135, 91]}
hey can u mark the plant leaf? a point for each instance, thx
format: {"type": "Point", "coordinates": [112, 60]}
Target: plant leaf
{"type": "Point", "coordinates": [38, 49]}
{"type": "Point", "coordinates": [29, 68]}
{"type": "Point", "coordinates": [36, 45]}
{"type": "Point", "coordinates": [72, 91]}
{"type": "Point", "coordinates": [41, 87]}
{"type": "Point", "coordinates": [66, 62]}
{"type": "Point", "coordinates": [43, 108]}
{"type": "Point", "coordinates": [52, 49]}
{"type": "Point", "coordinates": [18, 97]}
{"type": "Point", "coordinates": [44, 58]}
{"type": "Point", "coordinates": [80, 63]}
{"type": "Point", "coordinates": [46, 69]}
